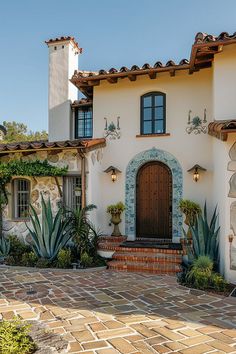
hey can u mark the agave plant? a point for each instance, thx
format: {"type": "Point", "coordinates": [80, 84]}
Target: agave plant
{"type": "Point", "coordinates": [52, 233]}
{"type": "Point", "coordinates": [4, 247]}
{"type": "Point", "coordinates": [205, 236]}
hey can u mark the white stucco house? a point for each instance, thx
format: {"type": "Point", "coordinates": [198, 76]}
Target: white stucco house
{"type": "Point", "coordinates": [153, 124]}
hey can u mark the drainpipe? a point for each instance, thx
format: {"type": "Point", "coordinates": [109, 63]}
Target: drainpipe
{"type": "Point", "coordinates": [83, 179]}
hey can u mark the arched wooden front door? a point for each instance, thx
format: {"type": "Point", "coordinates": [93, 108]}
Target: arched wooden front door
{"type": "Point", "coordinates": [154, 201]}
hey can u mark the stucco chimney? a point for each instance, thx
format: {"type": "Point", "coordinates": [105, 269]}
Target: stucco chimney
{"type": "Point", "coordinates": [63, 61]}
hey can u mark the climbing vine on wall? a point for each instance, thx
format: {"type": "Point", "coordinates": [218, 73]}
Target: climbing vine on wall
{"type": "Point", "coordinates": [28, 168]}
{"type": "Point", "coordinates": [24, 168]}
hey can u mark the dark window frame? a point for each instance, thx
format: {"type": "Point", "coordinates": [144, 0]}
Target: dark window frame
{"type": "Point", "coordinates": [152, 94]}
{"type": "Point", "coordinates": [84, 109]}
{"type": "Point", "coordinates": [70, 200]}
{"type": "Point", "coordinates": [18, 201]}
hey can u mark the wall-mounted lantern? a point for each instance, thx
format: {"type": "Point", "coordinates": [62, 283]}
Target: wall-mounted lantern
{"type": "Point", "coordinates": [113, 171]}
{"type": "Point", "coordinates": [196, 172]}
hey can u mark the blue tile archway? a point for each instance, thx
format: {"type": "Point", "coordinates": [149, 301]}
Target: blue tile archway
{"type": "Point", "coordinates": [130, 189]}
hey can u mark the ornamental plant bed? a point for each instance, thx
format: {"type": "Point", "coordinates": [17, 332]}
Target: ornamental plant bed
{"type": "Point", "coordinates": [225, 293]}
{"type": "Point", "coordinates": [63, 240]}
{"type": "Point", "coordinates": [21, 255]}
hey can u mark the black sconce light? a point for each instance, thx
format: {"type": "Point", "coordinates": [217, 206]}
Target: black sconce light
{"type": "Point", "coordinates": [196, 172]}
{"type": "Point", "coordinates": [113, 171]}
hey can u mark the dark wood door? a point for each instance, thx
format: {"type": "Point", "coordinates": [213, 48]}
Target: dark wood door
{"type": "Point", "coordinates": [154, 201]}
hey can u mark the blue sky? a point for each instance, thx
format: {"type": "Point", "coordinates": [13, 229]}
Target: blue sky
{"type": "Point", "coordinates": [112, 33]}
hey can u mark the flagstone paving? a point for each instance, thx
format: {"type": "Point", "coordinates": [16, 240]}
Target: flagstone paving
{"type": "Point", "coordinates": [108, 312]}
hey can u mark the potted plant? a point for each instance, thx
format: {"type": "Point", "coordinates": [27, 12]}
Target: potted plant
{"type": "Point", "coordinates": [115, 211]}
{"type": "Point", "coordinates": [191, 211]}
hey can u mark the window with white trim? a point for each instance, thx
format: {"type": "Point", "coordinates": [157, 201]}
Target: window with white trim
{"type": "Point", "coordinates": [72, 192]}
{"type": "Point", "coordinates": [21, 198]}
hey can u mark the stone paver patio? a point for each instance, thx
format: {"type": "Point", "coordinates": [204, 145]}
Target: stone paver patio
{"type": "Point", "coordinates": [105, 312]}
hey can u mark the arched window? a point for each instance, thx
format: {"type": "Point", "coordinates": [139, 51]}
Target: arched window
{"type": "Point", "coordinates": [21, 198]}
{"type": "Point", "coordinates": [153, 113]}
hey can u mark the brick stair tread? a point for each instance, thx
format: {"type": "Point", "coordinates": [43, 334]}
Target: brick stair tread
{"type": "Point", "coordinates": [112, 239]}
{"type": "Point", "coordinates": [150, 250]}
{"type": "Point", "coordinates": [147, 257]}
{"type": "Point", "coordinates": [116, 247]}
{"type": "Point", "coordinates": [108, 246]}
{"type": "Point", "coordinates": [142, 265]}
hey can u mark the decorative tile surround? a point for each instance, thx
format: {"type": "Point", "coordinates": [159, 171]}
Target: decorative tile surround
{"type": "Point", "coordinates": [130, 189]}
{"type": "Point", "coordinates": [232, 194]}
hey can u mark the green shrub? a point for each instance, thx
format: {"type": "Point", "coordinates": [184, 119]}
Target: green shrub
{"type": "Point", "coordinates": [198, 279]}
{"type": "Point", "coordinates": [200, 273]}
{"type": "Point", "coordinates": [29, 259]}
{"type": "Point", "coordinates": [217, 282]}
{"type": "Point", "coordinates": [86, 260]}
{"type": "Point", "coordinates": [43, 263]}
{"type": "Point", "coordinates": [203, 263]}
{"type": "Point", "coordinates": [10, 260]}
{"type": "Point", "coordinates": [64, 258]}
{"type": "Point", "coordinates": [17, 249]}
{"type": "Point", "coordinates": [14, 338]}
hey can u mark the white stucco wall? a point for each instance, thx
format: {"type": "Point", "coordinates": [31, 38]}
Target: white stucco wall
{"type": "Point", "coordinates": [63, 61]}
{"type": "Point", "coordinates": [223, 202]}
{"type": "Point", "coordinates": [224, 87]}
{"type": "Point", "coordinates": [183, 92]}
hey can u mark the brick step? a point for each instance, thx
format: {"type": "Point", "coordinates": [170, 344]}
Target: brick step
{"type": "Point", "coordinates": [111, 239]}
{"type": "Point", "coordinates": [147, 257]}
{"type": "Point", "coordinates": [154, 268]}
{"type": "Point", "coordinates": [108, 246]}
{"type": "Point", "coordinates": [113, 246]}
{"type": "Point", "coordinates": [150, 250]}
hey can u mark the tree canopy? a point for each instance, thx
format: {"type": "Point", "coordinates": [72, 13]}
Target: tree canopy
{"type": "Point", "coordinates": [19, 132]}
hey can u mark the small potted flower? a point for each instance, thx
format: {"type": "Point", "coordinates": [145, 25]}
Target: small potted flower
{"type": "Point", "coordinates": [116, 210]}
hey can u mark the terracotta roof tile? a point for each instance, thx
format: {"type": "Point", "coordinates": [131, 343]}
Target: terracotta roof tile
{"type": "Point", "coordinates": [221, 128]}
{"type": "Point", "coordinates": [63, 39]}
{"type": "Point", "coordinates": [206, 38]}
{"type": "Point", "coordinates": [87, 75]}
{"type": "Point", "coordinates": [46, 145]}
{"type": "Point", "coordinates": [82, 102]}
{"type": "Point", "coordinates": [202, 55]}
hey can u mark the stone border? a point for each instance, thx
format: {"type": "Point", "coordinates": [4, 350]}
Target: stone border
{"type": "Point", "coordinates": [130, 190]}
{"type": "Point", "coordinates": [35, 269]}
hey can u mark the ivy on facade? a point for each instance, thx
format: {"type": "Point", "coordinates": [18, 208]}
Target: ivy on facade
{"type": "Point", "coordinates": [28, 168]}
{"type": "Point", "coordinates": [35, 168]}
